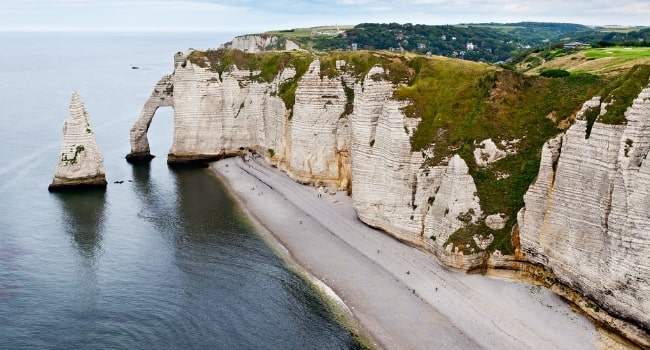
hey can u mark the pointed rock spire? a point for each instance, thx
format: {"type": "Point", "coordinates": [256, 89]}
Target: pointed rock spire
{"type": "Point", "coordinates": [80, 162]}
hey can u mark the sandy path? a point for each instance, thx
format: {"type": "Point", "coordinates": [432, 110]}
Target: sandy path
{"type": "Point", "coordinates": [399, 295]}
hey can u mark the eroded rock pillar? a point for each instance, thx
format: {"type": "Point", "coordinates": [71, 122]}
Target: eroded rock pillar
{"type": "Point", "coordinates": [80, 162]}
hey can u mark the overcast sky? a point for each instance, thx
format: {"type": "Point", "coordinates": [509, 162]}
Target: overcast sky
{"type": "Point", "coordinates": [249, 16]}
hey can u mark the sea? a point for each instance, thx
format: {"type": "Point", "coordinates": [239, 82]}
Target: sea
{"type": "Point", "coordinates": [163, 258]}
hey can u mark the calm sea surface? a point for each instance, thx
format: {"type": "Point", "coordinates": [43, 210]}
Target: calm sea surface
{"type": "Point", "coordinates": [162, 261]}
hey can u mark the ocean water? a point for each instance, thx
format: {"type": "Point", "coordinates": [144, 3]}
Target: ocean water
{"type": "Point", "coordinates": [164, 260]}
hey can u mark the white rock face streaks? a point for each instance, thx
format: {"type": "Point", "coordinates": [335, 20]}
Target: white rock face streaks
{"type": "Point", "coordinates": [394, 189]}
{"type": "Point", "coordinates": [384, 169]}
{"type": "Point", "coordinates": [80, 163]}
{"type": "Point", "coordinates": [587, 217]}
{"type": "Point", "coordinates": [319, 131]}
{"type": "Point", "coordinates": [215, 116]}
{"type": "Point", "coordinates": [454, 206]}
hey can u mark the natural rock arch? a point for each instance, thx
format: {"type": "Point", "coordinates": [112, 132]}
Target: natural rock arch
{"type": "Point", "coordinates": [161, 96]}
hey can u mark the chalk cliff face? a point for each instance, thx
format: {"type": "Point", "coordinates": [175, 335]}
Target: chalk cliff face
{"type": "Point", "coordinates": [587, 217]}
{"type": "Point", "coordinates": [393, 188]}
{"type": "Point", "coordinates": [217, 115]}
{"type": "Point", "coordinates": [80, 163]}
{"type": "Point", "coordinates": [214, 116]}
{"type": "Point", "coordinates": [261, 42]}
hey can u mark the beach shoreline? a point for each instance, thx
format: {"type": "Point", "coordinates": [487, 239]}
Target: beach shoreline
{"type": "Point", "coordinates": [334, 303]}
{"type": "Point", "coordinates": [397, 296]}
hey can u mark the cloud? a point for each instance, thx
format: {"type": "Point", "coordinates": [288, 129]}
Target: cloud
{"type": "Point", "coordinates": [257, 16]}
{"type": "Point", "coordinates": [165, 15]}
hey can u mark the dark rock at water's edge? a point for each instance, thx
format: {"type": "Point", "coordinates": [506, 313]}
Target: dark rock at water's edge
{"type": "Point", "coordinates": [135, 158]}
{"type": "Point", "coordinates": [64, 185]}
{"type": "Point", "coordinates": [174, 160]}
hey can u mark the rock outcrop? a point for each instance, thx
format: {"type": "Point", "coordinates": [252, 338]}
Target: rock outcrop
{"type": "Point", "coordinates": [254, 43]}
{"type": "Point", "coordinates": [586, 218]}
{"type": "Point", "coordinates": [80, 163]}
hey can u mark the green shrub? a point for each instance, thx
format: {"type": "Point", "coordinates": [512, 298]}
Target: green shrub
{"type": "Point", "coordinates": [463, 238]}
{"type": "Point", "coordinates": [591, 114]}
{"type": "Point", "coordinates": [349, 100]}
{"type": "Point", "coordinates": [555, 73]}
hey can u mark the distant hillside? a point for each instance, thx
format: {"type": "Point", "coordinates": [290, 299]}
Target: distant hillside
{"type": "Point", "coordinates": [486, 42]}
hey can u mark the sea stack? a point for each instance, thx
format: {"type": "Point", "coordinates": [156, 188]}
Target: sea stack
{"type": "Point", "coordinates": [80, 162]}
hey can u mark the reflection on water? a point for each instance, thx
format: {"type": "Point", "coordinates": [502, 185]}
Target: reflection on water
{"type": "Point", "coordinates": [217, 246]}
{"type": "Point", "coordinates": [83, 219]}
{"type": "Point", "coordinates": [149, 193]}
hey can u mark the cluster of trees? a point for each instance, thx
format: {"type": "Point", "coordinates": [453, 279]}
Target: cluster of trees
{"type": "Point", "coordinates": [485, 43]}
{"type": "Point", "coordinates": [615, 38]}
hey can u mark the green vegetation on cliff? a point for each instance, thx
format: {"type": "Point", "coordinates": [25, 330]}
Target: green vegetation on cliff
{"type": "Point", "coordinates": [620, 94]}
{"type": "Point", "coordinates": [462, 103]}
{"type": "Point", "coordinates": [358, 63]}
{"type": "Point", "coordinates": [262, 66]}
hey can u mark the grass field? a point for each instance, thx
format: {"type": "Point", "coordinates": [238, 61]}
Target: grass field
{"type": "Point", "coordinates": [600, 61]}
{"type": "Point", "coordinates": [619, 52]}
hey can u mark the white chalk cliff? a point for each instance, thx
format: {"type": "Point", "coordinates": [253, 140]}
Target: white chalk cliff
{"type": "Point", "coordinates": [586, 218]}
{"type": "Point", "coordinates": [393, 189]}
{"type": "Point", "coordinates": [254, 43]}
{"type": "Point", "coordinates": [80, 161]}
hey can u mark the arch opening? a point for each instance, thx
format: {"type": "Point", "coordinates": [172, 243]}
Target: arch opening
{"type": "Point", "coordinates": [161, 96]}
